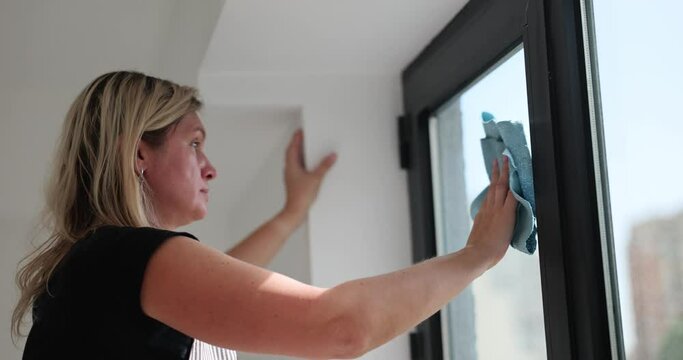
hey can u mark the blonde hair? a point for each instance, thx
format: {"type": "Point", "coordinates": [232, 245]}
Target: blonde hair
{"type": "Point", "coordinates": [94, 181]}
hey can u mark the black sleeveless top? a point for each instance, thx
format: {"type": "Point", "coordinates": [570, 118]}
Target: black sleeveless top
{"type": "Point", "coordinates": [93, 311]}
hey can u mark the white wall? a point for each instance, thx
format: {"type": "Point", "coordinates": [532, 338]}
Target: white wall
{"type": "Point", "coordinates": [360, 224]}
{"type": "Point", "coordinates": [250, 141]}
{"type": "Point", "coordinates": [49, 51]}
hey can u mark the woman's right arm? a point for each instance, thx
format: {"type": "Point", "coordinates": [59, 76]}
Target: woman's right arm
{"type": "Point", "coordinates": [221, 300]}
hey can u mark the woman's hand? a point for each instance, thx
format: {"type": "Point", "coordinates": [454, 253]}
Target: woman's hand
{"type": "Point", "coordinates": [495, 221]}
{"type": "Point", "coordinates": [302, 186]}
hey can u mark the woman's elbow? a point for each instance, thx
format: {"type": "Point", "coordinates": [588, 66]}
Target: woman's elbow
{"type": "Point", "coordinates": [351, 337]}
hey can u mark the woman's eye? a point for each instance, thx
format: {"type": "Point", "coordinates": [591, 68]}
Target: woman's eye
{"type": "Point", "coordinates": [195, 144]}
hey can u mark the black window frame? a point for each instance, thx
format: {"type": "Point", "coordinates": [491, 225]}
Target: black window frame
{"type": "Point", "coordinates": [575, 305]}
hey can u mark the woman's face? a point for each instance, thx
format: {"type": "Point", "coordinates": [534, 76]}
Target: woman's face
{"type": "Point", "coordinates": [178, 173]}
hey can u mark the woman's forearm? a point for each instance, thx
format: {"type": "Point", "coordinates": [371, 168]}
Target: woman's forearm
{"type": "Point", "coordinates": [387, 305]}
{"type": "Point", "coordinates": [261, 246]}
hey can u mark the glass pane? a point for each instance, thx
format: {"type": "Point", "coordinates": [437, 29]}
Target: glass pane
{"type": "Point", "coordinates": [500, 316]}
{"type": "Point", "coordinates": [641, 89]}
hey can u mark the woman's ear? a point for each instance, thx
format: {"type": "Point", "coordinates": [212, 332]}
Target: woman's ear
{"type": "Point", "coordinates": [143, 157]}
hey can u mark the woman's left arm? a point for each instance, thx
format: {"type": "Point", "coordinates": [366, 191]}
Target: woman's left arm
{"type": "Point", "coordinates": [302, 187]}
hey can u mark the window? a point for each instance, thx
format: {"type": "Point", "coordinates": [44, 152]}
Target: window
{"type": "Point", "coordinates": [505, 303]}
{"type": "Point", "coordinates": [544, 43]}
{"type": "Point", "coordinates": [640, 91]}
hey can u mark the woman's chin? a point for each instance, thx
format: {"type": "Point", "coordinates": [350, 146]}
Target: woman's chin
{"type": "Point", "coordinates": [200, 213]}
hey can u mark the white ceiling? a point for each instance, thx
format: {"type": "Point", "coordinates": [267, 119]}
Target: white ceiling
{"type": "Point", "coordinates": [324, 36]}
{"type": "Point", "coordinates": [50, 50]}
{"type": "Point", "coordinates": [262, 37]}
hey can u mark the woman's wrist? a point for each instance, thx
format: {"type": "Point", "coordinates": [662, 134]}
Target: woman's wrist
{"type": "Point", "coordinates": [480, 256]}
{"type": "Point", "coordinates": [290, 218]}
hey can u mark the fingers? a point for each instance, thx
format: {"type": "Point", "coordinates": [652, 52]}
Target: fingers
{"type": "Point", "coordinates": [502, 184]}
{"type": "Point", "coordinates": [325, 165]}
{"type": "Point", "coordinates": [499, 187]}
{"type": "Point", "coordinates": [490, 194]}
{"type": "Point", "coordinates": [294, 157]}
{"type": "Point", "coordinates": [505, 175]}
{"type": "Point", "coordinates": [292, 148]}
{"type": "Point", "coordinates": [496, 173]}
{"type": "Point", "coordinates": [510, 201]}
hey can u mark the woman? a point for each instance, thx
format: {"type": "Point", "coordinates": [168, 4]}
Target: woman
{"type": "Point", "coordinates": [115, 281]}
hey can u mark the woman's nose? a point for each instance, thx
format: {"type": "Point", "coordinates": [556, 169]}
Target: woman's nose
{"type": "Point", "coordinates": [209, 171]}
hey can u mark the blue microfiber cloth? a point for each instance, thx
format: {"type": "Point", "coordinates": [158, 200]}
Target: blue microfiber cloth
{"type": "Point", "coordinates": [506, 138]}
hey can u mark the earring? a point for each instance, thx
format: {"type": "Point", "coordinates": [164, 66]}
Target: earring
{"type": "Point", "coordinates": [141, 177]}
